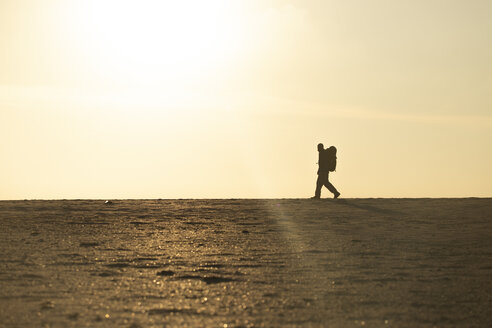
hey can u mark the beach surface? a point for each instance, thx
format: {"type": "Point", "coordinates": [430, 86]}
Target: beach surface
{"type": "Point", "coordinates": [246, 263]}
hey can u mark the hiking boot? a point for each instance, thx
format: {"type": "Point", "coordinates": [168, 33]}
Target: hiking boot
{"type": "Point", "coordinates": [337, 194]}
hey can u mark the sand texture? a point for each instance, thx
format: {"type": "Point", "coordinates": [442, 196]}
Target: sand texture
{"type": "Point", "coordinates": [246, 263]}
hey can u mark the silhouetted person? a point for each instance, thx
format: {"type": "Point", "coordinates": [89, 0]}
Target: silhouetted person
{"type": "Point", "coordinates": [326, 163]}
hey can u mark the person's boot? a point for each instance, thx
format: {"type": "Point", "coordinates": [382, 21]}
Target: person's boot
{"type": "Point", "coordinates": [336, 195]}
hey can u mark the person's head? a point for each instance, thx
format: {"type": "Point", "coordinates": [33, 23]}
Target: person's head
{"type": "Point", "coordinates": [320, 147]}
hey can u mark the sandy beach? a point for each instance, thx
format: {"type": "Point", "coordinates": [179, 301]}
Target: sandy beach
{"type": "Point", "coordinates": [246, 263]}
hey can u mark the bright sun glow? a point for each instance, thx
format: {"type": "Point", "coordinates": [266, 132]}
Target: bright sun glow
{"type": "Point", "coordinates": [159, 42]}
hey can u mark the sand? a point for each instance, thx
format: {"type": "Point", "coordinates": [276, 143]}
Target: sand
{"type": "Point", "coordinates": [246, 263]}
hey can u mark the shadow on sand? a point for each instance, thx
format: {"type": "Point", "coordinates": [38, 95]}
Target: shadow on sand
{"type": "Point", "coordinates": [355, 204]}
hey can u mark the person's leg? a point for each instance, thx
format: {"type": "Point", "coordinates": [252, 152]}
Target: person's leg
{"type": "Point", "coordinates": [331, 187]}
{"type": "Point", "coordinates": [319, 185]}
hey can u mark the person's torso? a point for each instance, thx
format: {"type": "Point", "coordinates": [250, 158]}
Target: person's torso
{"type": "Point", "coordinates": [323, 161]}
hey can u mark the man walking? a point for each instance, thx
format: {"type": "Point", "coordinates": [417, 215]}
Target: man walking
{"type": "Point", "coordinates": [326, 163]}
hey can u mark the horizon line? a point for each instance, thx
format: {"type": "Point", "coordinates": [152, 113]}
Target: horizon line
{"type": "Point", "coordinates": [245, 198]}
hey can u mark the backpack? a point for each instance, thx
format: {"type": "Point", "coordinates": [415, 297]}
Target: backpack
{"type": "Point", "coordinates": [331, 157]}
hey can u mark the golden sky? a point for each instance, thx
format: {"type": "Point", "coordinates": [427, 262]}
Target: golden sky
{"type": "Point", "coordinates": [228, 99]}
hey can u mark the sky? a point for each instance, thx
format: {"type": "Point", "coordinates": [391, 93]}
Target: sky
{"type": "Point", "coordinates": [228, 99]}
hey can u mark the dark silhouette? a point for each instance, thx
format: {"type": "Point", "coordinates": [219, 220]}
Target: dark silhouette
{"type": "Point", "coordinates": [326, 163]}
